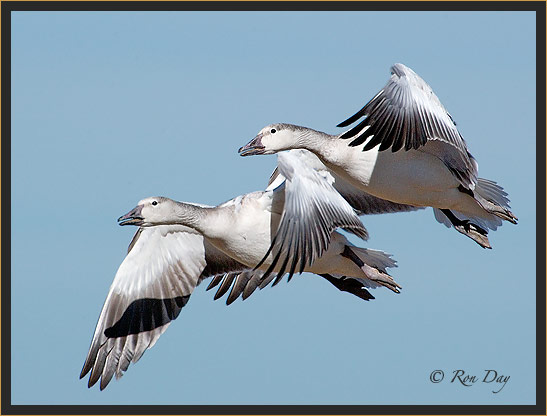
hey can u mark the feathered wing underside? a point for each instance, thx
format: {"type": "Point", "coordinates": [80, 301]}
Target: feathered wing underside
{"type": "Point", "coordinates": [312, 210]}
{"type": "Point", "coordinates": [406, 114]}
{"type": "Point", "coordinates": [162, 268]}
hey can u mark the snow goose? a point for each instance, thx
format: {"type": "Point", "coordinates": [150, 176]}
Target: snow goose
{"type": "Point", "coordinates": [428, 165]}
{"type": "Point", "coordinates": [180, 244]}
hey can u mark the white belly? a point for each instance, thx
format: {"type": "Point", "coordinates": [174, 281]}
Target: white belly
{"type": "Point", "coordinates": [409, 177]}
{"type": "Point", "coordinates": [248, 236]}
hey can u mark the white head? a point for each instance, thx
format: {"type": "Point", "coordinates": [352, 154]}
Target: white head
{"type": "Point", "coordinates": [274, 138]}
{"type": "Point", "coordinates": [151, 211]}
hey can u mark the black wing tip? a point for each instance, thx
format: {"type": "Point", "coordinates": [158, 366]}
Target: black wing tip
{"type": "Point", "coordinates": [345, 135]}
{"type": "Point", "coordinates": [353, 118]}
{"type": "Point", "coordinates": [278, 278]}
{"type": "Point", "coordinates": [234, 294]}
{"type": "Point", "coordinates": [344, 123]}
{"type": "Point", "coordinates": [104, 386]}
{"type": "Point", "coordinates": [91, 383]}
{"type": "Point", "coordinates": [88, 366]}
{"type": "Point", "coordinates": [215, 281]}
{"type": "Point", "coordinates": [513, 219]}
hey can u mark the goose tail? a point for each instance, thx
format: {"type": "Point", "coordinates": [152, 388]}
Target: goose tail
{"type": "Point", "coordinates": [494, 199]}
{"type": "Point", "coordinates": [373, 263]}
{"type": "Point", "coordinates": [492, 210]}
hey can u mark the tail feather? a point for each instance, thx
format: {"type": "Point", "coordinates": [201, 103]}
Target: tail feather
{"type": "Point", "coordinates": [494, 199]}
{"type": "Point", "coordinates": [373, 263]}
{"type": "Point", "coordinates": [374, 258]}
{"type": "Point", "coordinates": [495, 203]}
{"type": "Point", "coordinates": [491, 191]}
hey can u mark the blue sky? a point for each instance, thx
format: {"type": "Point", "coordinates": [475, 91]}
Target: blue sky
{"type": "Point", "coordinates": [109, 108]}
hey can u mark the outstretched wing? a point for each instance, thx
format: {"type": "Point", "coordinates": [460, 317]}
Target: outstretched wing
{"type": "Point", "coordinates": [407, 113]}
{"type": "Point", "coordinates": [312, 210]}
{"type": "Point", "coordinates": [154, 282]}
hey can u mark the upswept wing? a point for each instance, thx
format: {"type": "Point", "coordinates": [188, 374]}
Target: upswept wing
{"type": "Point", "coordinates": [407, 114]}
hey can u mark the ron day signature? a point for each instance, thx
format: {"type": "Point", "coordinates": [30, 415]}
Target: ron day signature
{"type": "Point", "coordinates": [468, 380]}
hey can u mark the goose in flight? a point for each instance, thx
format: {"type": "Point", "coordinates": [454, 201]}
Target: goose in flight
{"type": "Point", "coordinates": [405, 149]}
{"type": "Point", "coordinates": [180, 244]}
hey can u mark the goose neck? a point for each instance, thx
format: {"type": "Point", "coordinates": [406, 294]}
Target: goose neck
{"type": "Point", "coordinates": [191, 215]}
{"type": "Point", "coordinates": [314, 141]}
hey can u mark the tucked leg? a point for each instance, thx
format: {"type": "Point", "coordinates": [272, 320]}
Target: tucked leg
{"type": "Point", "coordinates": [473, 231]}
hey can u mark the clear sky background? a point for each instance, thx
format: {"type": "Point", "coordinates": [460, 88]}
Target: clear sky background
{"type": "Point", "coordinates": [109, 108]}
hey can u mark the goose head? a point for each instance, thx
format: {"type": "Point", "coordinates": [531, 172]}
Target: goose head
{"type": "Point", "coordinates": [149, 211]}
{"type": "Point", "coordinates": [272, 139]}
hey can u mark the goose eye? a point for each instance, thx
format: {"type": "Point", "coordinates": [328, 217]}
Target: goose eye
{"type": "Point", "coordinates": [273, 131]}
{"type": "Point", "coordinates": [154, 203]}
